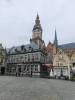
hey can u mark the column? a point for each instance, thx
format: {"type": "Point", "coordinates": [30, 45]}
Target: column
{"type": "Point", "coordinates": [38, 69]}
{"type": "Point", "coordinates": [69, 70]}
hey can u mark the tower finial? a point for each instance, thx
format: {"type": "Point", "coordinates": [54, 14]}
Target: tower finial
{"type": "Point", "coordinates": [37, 16]}
{"type": "Point", "coordinates": [37, 21]}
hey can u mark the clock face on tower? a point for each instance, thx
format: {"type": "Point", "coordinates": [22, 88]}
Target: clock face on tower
{"type": "Point", "coordinates": [37, 30]}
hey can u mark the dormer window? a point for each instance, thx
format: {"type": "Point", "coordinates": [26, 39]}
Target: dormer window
{"type": "Point", "coordinates": [30, 48]}
{"type": "Point", "coordinates": [25, 49]}
{"type": "Point", "coordinates": [22, 47]}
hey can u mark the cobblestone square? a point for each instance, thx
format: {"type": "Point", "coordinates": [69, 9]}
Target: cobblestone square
{"type": "Point", "coordinates": [26, 88]}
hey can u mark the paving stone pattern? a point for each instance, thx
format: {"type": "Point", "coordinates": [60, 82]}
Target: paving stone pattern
{"type": "Point", "coordinates": [26, 88]}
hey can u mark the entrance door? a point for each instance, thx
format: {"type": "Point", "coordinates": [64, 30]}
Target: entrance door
{"type": "Point", "coordinates": [2, 70]}
{"type": "Point", "coordinates": [19, 71]}
{"type": "Point", "coordinates": [73, 64]}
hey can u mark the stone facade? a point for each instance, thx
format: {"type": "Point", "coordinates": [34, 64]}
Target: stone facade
{"type": "Point", "coordinates": [64, 62]}
{"type": "Point", "coordinates": [28, 59]}
{"type": "Point", "coordinates": [61, 64]}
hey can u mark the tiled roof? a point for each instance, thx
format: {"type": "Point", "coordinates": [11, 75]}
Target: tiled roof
{"type": "Point", "coordinates": [23, 48]}
{"type": "Point", "coordinates": [49, 47]}
{"type": "Point", "coordinates": [67, 46]}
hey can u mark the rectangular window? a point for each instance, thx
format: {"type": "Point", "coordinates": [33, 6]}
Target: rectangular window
{"type": "Point", "coordinates": [24, 67]}
{"type": "Point", "coordinates": [36, 67]}
{"type": "Point", "coordinates": [36, 56]}
{"type": "Point", "coordinates": [61, 64]}
{"type": "Point", "coordinates": [32, 67]}
{"type": "Point", "coordinates": [28, 67]}
{"type": "Point", "coordinates": [28, 57]}
{"type": "Point", "coordinates": [73, 64]}
{"type": "Point", "coordinates": [32, 57]}
{"type": "Point", "coordinates": [25, 59]}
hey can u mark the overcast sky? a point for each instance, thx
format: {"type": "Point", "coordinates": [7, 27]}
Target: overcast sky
{"type": "Point", "coordinates": [17, 20]}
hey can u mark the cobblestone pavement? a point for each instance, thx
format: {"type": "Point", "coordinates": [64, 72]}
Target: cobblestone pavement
{"type": "Point", "coordinates": [25, 88]}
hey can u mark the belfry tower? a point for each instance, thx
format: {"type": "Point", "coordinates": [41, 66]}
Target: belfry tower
{"type": "Point", "coordinates": [37, 33]}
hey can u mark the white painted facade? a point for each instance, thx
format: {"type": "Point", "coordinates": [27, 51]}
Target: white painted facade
{"type": "Point", "coordinates": [62, 64]}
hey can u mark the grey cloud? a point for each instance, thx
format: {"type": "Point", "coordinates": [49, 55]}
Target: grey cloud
{"type": "Point", "coordinates": [17, 18]}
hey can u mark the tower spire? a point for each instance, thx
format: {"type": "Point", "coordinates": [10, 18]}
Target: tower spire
{"type": "Point", "coordinates": [55, 39]}
{"type": "Point", "coordinates": [37, 21]}
{"type": "Point", "coordinates": [37, 24]}
{"type": "Point", "coordinates": [37, 16]}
